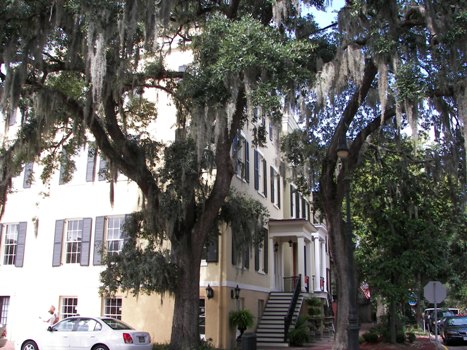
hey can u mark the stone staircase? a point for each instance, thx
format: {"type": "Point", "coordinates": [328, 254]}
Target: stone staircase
{"type": "Point", "coordinates": [270, 330]}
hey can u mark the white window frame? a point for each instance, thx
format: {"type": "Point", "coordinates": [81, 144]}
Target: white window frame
{"type": "Point", "coordinates": [112, 307]}
{"type": "Point", "coordinates": [10, 244]}
{"type": "Point", "coordinates": [114, 234]}
{"type": "Point", "coordinates": [72, 241]}
{"type": "Point", "coordinates": [68, 306]}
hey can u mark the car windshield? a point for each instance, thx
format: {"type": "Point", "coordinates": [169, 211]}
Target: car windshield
{"type": "Point", "coordinates": [458, 321]}
{"type": "Point", "coordinates": [115, 324]}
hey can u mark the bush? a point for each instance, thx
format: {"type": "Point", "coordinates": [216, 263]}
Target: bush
{"type": "Point", "coordinates": [300, 334]}
{"type": "Point", "coordinates": [411, 337]}
{"type": "Point", "coordinates": [370, 337]}
{"type": "Point", "coordinates": [400, 338]}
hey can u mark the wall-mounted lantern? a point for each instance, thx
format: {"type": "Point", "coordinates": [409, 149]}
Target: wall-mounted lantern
{"type": "Point", "coordinates": [235, 293]}
{"type": "Point", "coordinates": [209, 292]}
{"type": "Point", "coordinates": [276, 247]}
{"type": "Point", "coordinates": [290, 243]}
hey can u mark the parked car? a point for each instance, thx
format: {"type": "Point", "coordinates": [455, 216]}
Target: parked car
{"type": "Point", "coordinates": [440, 315]}
{"type": "Point", "coordinates": [87, 333]}
{"type": "Point", "coordinates": [2, 335]}
{"type": "Point", "coordinates": [454, 329]}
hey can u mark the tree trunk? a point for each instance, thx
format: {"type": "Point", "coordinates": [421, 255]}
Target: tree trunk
{"type": "Point", "coordinates": [185, 332]}
{"type": "Point", "coordinates": [333, 193]}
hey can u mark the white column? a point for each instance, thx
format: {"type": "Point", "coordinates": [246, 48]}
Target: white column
{"type": "Point", "coordinates": [309, 265]}
{"type": "Point", "coordinates": [317, 263]}
{"type": "Point", "coordinates": [323, 264]}
{"type": "Point", "coordinates": [271, 264]}
{"type": "Point", "coordinates": [301, 260]}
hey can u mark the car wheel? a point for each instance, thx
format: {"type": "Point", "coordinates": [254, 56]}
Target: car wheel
{"type": "Point", "coordinates": [100, 347]}
{"type": "Point", "coordinates": [29, 345]}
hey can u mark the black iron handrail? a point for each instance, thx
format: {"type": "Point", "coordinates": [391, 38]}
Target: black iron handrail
{"type": "Point", "coordinates": [293, 304]}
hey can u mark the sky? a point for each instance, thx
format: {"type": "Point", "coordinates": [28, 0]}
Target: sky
{"type": "Point", "coordinates": [330, 16]}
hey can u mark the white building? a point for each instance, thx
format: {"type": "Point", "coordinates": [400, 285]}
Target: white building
{"type": "Point", "coordinates": [51, 234]}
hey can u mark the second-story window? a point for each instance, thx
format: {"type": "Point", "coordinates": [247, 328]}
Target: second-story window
{"type": "Point", "coordinates": [13, 243]}
{"type": "Point", "coordinates": [275, 181]}
{"type": "Point", "coordinates": [261, 178]}
{"type": "Point", "coordinates": [241, 156]}
{"type": "Point", "coordinates": [109, 237]}
{"type": "Point", "coordinates": [72, 242]}
{"type": "Point", "coordinates": [74, 236]}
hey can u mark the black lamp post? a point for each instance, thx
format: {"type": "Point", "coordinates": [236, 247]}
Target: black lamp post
{"type": "Point", "coordinates": [354, 326]}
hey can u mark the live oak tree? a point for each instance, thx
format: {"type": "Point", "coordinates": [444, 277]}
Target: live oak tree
{"type": "Point", "coordinates": [71, 69]}
{"type": "Point", "coordinates": [399, 65]}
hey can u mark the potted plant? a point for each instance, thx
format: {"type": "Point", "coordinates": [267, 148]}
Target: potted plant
{"type": "Point", "coordinates": [242, 319]}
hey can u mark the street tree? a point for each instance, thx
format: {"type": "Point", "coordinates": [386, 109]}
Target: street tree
{"type": "Point", "coordinates": [404, 216]}
{"type": "Point", "coordinates": [75, 68]}
{"type": "Point", "coordinates": [399, 66]}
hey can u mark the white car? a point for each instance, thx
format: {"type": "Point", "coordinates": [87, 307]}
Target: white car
{"type": "Point", "coordinates": [87, 333]}
{"type": "Point", "coordinates": [2, 335]}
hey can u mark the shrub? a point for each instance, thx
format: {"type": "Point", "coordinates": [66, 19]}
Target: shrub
{"type": "Point", "coordinates": [400, 338]}
{"type": "Point", "coordinates": [370, 337]}
{"type": "Point", "coordinates": [300, 334]}
{"type": "Point", "coordinates": [411, 337]}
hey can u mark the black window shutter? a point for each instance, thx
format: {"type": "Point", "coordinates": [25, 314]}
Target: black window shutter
{"type": "Point", "coordinates": [1, 231]}
{"type": "Point", "coordinates": [246, 258]}
{"type": "Point", "coordinates": [98, 240]}
{"type": "Point", "coordinates": [91, 163]}
{"type": "Point", "coordinates": [27, 175]}
{"type": "Point", "coordinates": [125, 235]}
{"type": "Point", "coordinates": [256, 160]}
{"type": "Point", "coordinates": [278, 190]}
{"type": "Point", "coordinates": [256, 258]}
{"type": "Point", "coordinates": [247, 162]}
{"type": "Point", "coordinates": [58, 238]}
{"type": "Point", "coordinates": [234, 153]}
{"type": "Point", "coordinates": [102, 168]}
{"type": "Point", "coordinates": [291, 201]}
{"type": "Point", "coordinates": [297, 205]}
{"type": "Point", "coordinates": [265, 178]}
{"type": "Point", "coordinates": [265, 252]}
{"type": "Point", "coordinates": [22, 227]}
{"type": "Point", "coordinates": [234, 250]}
{"type": "Point", "coordinates": [213, 250]}
{"type": "Point", "coordinates": [271, 180]}
{"type": "Point", "coordinates": [86, 242]}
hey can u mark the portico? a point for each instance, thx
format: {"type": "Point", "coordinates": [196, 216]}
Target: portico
{"type": "Point", "coordinates": [298, 249]}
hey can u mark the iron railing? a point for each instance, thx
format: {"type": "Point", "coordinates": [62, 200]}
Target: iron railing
{"type": "Point", "coordinates": [293, 304]}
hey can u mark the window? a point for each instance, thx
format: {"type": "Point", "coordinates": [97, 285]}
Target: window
{"type": "Point", "coordinates": [91, 165]}
{"type": "Point", "coordinates": [74, 235]}
{"type": "Point", "coordinates": [28, 175]}
{"type": "Point", "coordinates": [261, 255]}
{"type": "Point", "coordinates": [210, 250]}
{"type": "Point", "coordinates": [69, 307]}
{"type": "Point", "coordinates": [114, 234]}
{"type": "Point", "coordinates": [113, 308]}
{"type": "Point", "coordinates": [72, 242]}
{"type": "Point", "coordinates": [202, 318]}
{"type": "Point", "coordinates": [275, 181]}
{"type": "Point", "coordinates": [109, 236]}
{"type": "Point", "coordinates": [241, 156]}
{"type": "Point", "coordinates": [4, 304]}
{"type": "Point", "coordinates": [13, 243]}
{"type": "Point", "coordinates": [261, 178]}
{"type": "Point", "coordinates": [240, 254]}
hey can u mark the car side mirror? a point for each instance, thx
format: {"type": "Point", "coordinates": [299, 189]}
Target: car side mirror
{"type": "Point", "coordinates": [50, 329]}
